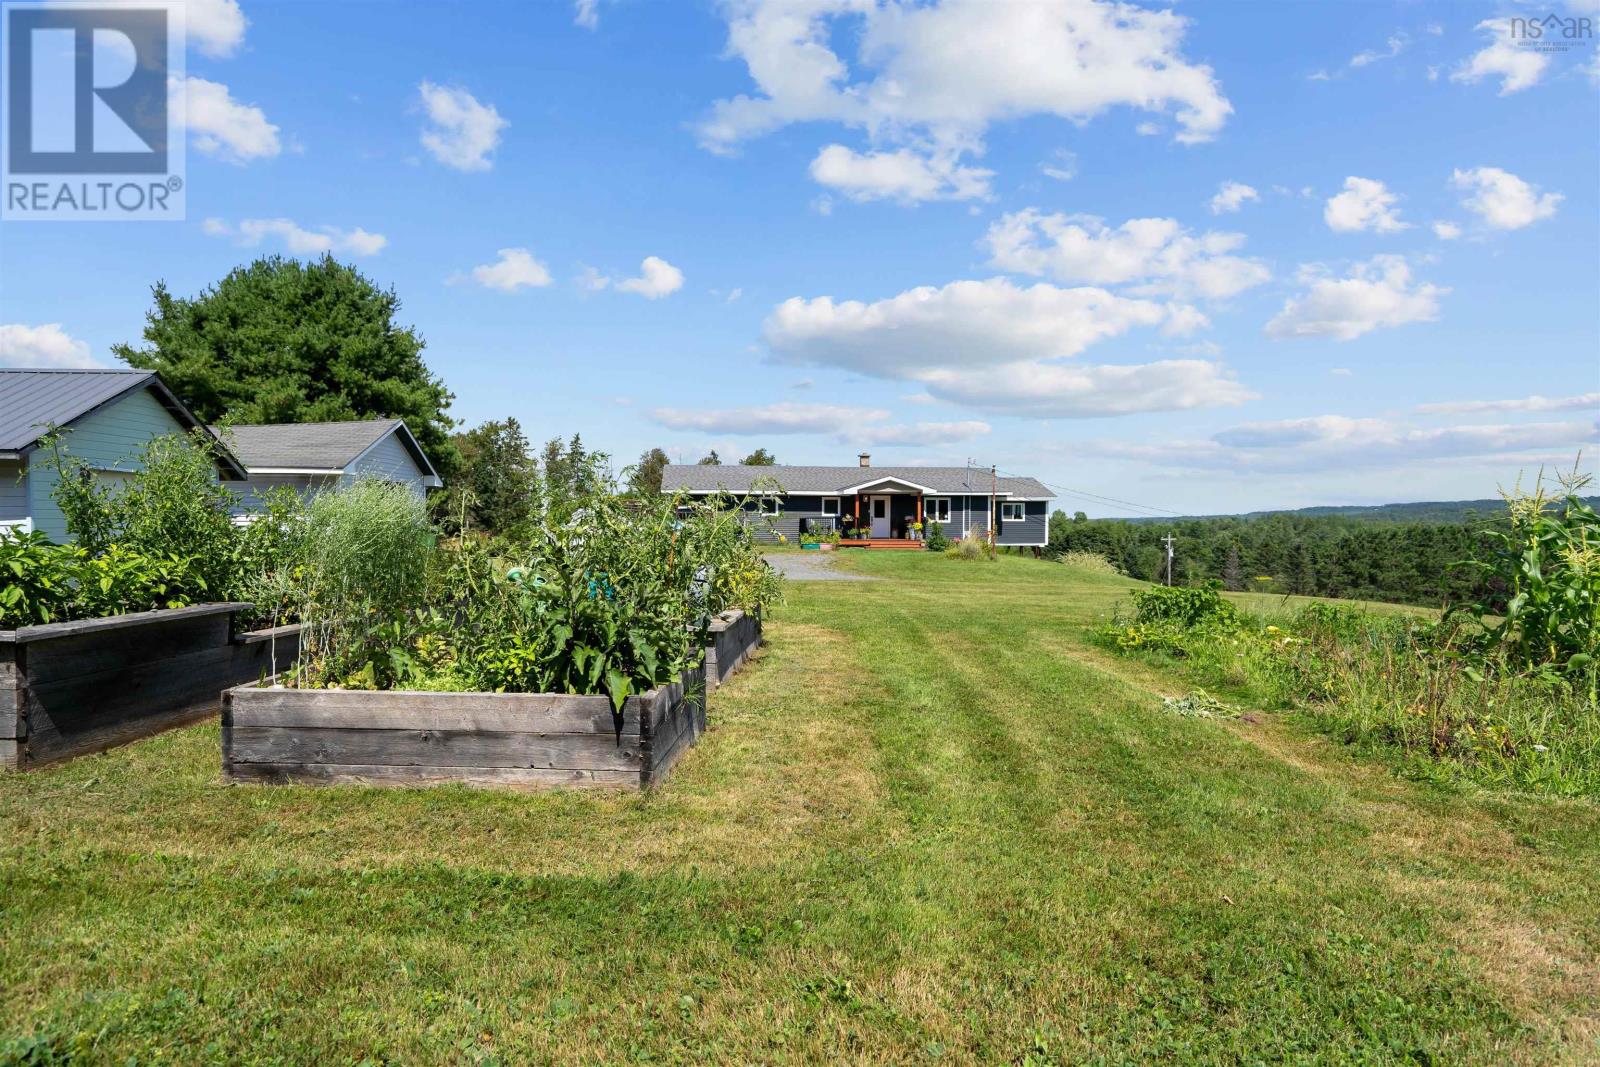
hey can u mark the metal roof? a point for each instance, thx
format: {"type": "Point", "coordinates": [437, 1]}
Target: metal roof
{"type": "Point", "coordinates": [698, 478]}
{"type": "Point", "coordinates": [316, 446]}
{"type": "Point", "coordinates": [34, 400]}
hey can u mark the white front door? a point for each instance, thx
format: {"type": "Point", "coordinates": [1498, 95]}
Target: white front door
{"type": "Point", "coordinates": [880, 515]}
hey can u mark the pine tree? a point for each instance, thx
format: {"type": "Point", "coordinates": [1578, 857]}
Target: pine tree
{"type": "Point", "coordinates": [1233, 570]}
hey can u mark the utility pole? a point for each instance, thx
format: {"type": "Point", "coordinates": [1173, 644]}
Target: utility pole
{"type": "Point", "coordinates": [1169, 539]}
{"type": "Point", "coordinates": [994, 486]}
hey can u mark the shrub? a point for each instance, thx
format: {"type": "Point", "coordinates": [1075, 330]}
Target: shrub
{"type": "Point", "coordinates": [171, 506]}
{"type": "Point", "coordinates": [1088, 561]}
{"type": "Point", "coordinates": [971, 547]}
{"type": "Point", "coordinates": [1183, 607]}
{"type": "Point", "coordinates": [937, 540]}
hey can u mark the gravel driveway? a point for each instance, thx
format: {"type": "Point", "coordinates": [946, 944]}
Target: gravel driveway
{"type": "Point", "coordinates": [812, 567]}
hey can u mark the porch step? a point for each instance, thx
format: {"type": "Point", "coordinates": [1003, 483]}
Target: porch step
{"type": "Point", "coordinates": [902, 543]}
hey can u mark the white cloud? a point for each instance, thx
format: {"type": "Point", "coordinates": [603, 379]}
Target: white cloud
{"type": "Point", "coordinates": [1502, 199]}
{"type": "Point", "coordinates": [515, 269]}
{"type": "Point", "coordinates": [1377, 293]}
{"type": "Point", "coordinates": [1058, 391]}
{"type": "Point", "coordinates": [296, 239]}
{"type": "Point", "coordinates": [215, 27]}
{"type": "Point", "coordinates": [1446, 231]}
{"type": "Point", "coordinates": [994, 345]}
{"type": "Point", "coordinates": [461, 132]}
{"type": "Point", "coordinates": [1336, 442]}
{"type": "Point", "coordinates": [1517, 68]}
{"type": "Point", "coordinates": [657, 278]}
{"type": "Point", "coordinates": [845, 422]}
{"type": "Point", "coordinates": [1148, 129]}
{"type": "Point", "coordinates": [934, 77]}
{"type": "Point", "coordinates": [1159, 254]}
{"type": "Point", "coordinates": [47, 345]}
{"type": "Point", "coordinates": [1062, 166]}
{"type": "Point", "coordinates": [586, 13]}
{"type": "Point", "coordinates": [221, 126]}
{"type": "Point", "coordinates": [1365, 204]}
{"type": "Point", "coordinates": [1392, 47]}
{"type": "Point", "coordinates": [904, 175]}
{"type": "Point", "coordinates": [1582, 402]}
{"type": "Point", "coordinates": [1231, 196]}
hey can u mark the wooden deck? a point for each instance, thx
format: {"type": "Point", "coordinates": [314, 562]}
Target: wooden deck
{"type": "Point", "coordinates": [903, 543]}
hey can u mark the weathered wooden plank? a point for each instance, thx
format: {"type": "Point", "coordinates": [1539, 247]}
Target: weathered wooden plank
{"type": "Point", "coordinates": [70, 706]}
{"type": "Point", "coordinates": [54, 630]}
{"type": "Point", "coordinates": [290, 631]}
{"type": "Point", "coordinates": [53, 746]}
{"type": "Point", "coordinates": [530, 778]}
{"type": "Point", "coordinates": [10, 672]}
{"type": "Point", "coordinates": [12, 723]}
{"type": "Point", "coordinates": [10, 755]}
{"type": "Point", "coordinates": [482, 712]}
{"type": "Point", "coordinates": [431, 748]}
{"type": "Point", "coordinates": [114, 651]}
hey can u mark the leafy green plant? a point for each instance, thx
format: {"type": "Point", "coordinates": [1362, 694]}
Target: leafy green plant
{"type": "Point", "coordinates": [46, 582]}
{"type": "Point", "coordinates": [1088, 561]}
{"type": "Point", "coordinates": [1183, 606]}
{"type": "Point", "coordinates": [1548, 566]}
{"type": "Point", "coordinates": [360, 584]}
{"type": "Point", "coordinates": [937, 541]}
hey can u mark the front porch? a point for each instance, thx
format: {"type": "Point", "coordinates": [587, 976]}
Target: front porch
{"type": "Point", "coordinates": [881, 542]}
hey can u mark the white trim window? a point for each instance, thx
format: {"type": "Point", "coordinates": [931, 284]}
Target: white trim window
{"type": "Point", "coordinates": [830, 507]}
{"type": "Point", "coordinates": [771, 506]}
{"type": "Point", "coordinates": [938, 508]}
{"type": "Point", "coordinates": [1012, 511]}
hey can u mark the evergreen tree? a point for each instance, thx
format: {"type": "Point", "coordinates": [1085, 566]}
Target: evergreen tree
{"type": "Point", "coordinates": [646, 477]}
{"type": "Point", "coordinates": [1233, 570]}
{"type": "Point", "coordinates": [711, 460]}
{"type": "Point", "coordinates": [284, 341]}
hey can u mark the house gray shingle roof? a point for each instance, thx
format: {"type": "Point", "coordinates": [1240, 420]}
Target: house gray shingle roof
{"type": "Point", "coordinates": [31, 401]}
{"type": "Point", "coordinates": [322, 446]}
{"type": "Point", "coordinates": [34, 399]}
{"type": "Point", "coordinates": [313, 446]}
{"type": "Point", "coordinates": [741, 479]}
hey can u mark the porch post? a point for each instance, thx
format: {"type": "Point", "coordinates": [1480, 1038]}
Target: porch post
{"type": "Point", "coordinates": [919, 507]}
{"type": "Point", "coordinates": [858, 511]}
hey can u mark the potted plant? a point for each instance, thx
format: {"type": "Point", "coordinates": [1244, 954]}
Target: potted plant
{"type": "Point", "coordinates": [916, 531]}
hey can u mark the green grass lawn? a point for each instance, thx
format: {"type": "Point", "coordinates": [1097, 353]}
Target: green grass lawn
{"type": "Point", "coordinates": [930, 823]}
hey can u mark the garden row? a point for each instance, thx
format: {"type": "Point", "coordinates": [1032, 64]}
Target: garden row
{"type": "Point", "coordinates": [577, 650]}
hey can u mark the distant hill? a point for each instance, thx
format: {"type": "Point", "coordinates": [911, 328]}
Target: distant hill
{"type": "Point", "coordinates": [1439, 512]}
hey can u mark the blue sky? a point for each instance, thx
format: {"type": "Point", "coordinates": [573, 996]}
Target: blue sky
{"type": "Point", "coordinates": [1203, 257]}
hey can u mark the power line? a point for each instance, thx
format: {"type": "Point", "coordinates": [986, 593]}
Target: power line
{"type": "Point", "coordinates": [1101, 499]}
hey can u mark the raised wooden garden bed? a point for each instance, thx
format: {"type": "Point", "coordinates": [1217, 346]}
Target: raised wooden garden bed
{"type": "Point", "coordinates": [518, 740]}
{"type": "Point", "coordinates": [734, 636]}
{"type": "Point", "coordinates": [71, 688]}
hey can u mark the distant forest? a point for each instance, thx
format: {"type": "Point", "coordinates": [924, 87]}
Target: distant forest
{"type": "Point", "coordinates": [1400, 553]}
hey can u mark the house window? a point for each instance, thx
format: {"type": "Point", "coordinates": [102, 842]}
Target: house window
{"type": "Point", "coordinates": [938, 509]}
{"type": "Point", "coordinates": [1011, 512]}
{"type": "Point", "coordinates": [830, 506]}
{"type": "Point", "coordinates": [771, 505]}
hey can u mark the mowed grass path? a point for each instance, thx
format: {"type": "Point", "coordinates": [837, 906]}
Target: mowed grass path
{"type": "Point", "coordinates": [930, 824]}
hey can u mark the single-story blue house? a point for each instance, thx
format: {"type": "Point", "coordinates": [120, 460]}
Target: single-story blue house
{"type": "Point", "coordinates": [884, 501]}
{"type": "Point", "coordinates": [108, 416]}
{"type": "Point", "coordinates": [310, 456]}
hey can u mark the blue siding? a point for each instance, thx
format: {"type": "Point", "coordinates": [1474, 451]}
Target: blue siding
{"type": "Point", "coordinates": [109, 440]}
{"type": "Point", "coordinates": [13, 491]}
{"type": "Point", "coordinates": [388, 459]}
{"type": "Point", "coordinates": [249, 493]}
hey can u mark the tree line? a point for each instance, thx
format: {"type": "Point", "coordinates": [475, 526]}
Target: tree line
{"type": "Point", "coordinates": [1332, 556]}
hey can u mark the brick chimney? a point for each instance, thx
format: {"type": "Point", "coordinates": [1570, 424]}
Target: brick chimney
{"type": "Point", "coordinates": [866, 459]}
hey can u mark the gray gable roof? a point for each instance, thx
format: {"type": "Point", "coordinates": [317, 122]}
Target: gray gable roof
{"type": "Point", "coordinates": [34, 399]}
{"type": "Point", "coordinates": [316, 446]}
{"type": "Point", "coordinates": [734, 478]}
